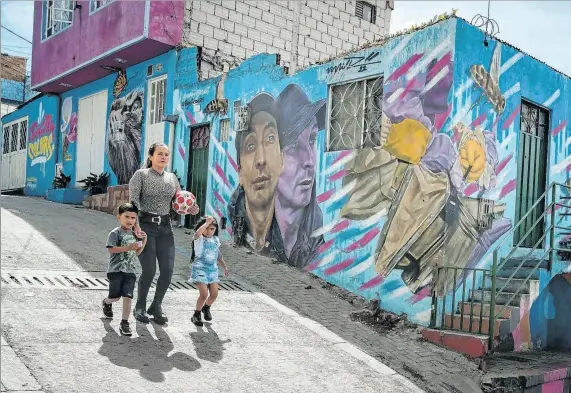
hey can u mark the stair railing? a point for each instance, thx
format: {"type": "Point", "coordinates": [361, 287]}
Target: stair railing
{"type": "Point", "coordinates": [551, 209]}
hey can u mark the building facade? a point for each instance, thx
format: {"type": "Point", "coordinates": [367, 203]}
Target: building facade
{"type": "Point", "coordinates": [402, 172]}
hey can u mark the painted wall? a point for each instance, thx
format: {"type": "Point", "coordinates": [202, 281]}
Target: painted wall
{"type": "Point", "coordinates": [374, 220]}
{"type": "Point", "coordinates": [108, 28]}
{"type": "Point", "coordinates": [126, 118]}
{"type": "Point", "coordinates": [166, 20]}
{"type": "Point", "coordinates": [42, 146]}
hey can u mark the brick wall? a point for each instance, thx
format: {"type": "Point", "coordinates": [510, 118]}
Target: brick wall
{"type": "Point", "coordinates": [302, 32]}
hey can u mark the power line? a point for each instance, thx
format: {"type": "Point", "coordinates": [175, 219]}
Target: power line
{"type": "Point", "coordinates": [17, 35]}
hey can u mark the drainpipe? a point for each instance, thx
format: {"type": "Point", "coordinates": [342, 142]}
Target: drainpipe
{"type": "Point", "coordinates": [58, 128]}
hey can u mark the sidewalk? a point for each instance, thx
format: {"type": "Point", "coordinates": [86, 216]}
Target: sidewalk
{"type": "Point", "coordinates": [435, 369]}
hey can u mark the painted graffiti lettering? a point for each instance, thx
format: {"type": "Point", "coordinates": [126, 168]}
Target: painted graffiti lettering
{"type": "Point", "coordinates": [360, 62]}
{"type": "Point", "coordinates": [190, 102]}
{"type": "Point", "coordinates": [41, 142]}
{"type": "Point", "coordinates": [217, 106]}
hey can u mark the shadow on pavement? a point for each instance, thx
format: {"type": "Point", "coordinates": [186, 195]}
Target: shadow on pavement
{"type": "Point", "coordinates": [144, 353]}
{"type": "Point", "coordinates": [207, 344]}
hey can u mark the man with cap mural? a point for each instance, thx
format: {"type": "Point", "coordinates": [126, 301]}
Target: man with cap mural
{"type": "Point", "coordinates": [296, 209]}
{"type": "Point", "coordinates": [260, 162]}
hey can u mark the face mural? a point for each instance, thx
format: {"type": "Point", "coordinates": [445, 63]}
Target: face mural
{"type": "Point", "coordinates": [124, 135]}
{"type": "Point", "coordinates": [274, 209]}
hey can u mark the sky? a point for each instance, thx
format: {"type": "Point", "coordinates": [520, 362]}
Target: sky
{"type": "Point", "coordinates": [536, 27]}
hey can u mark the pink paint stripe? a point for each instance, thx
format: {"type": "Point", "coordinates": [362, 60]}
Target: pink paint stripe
{"type": "Point", "coordinates": [405, 67]}
{"type": "Point", "coordinates": [325, 246]}
{"type": "Point", "coordinates": [220, 215]}
{"type": "Point", "coordinates": [440, 64]}
{"type": "Point", "coordinates": [471, 189]}
{"type": "Point", "coordinates": [219, 197]}
{"type": "Point", "coordinates": [366, 239]}
{"type": "Point", "coordinates": [181, 151]}
{"type": "Point", "coordinates": [509, 187]}
{"type": "Point", "coordinates": [372, 283]}
{"type": "Point", "coordinates": [338, 175]}
{"type": "Point", "coordinates": [190, 117]}
{"type": "Point", "coordinates": [312, 266]}
{"type": "Point", "coordinates": [568, 168]}
{"type": "Point", "coordinates": [408, 86]}
{"type": "Point", "coordinates": [339, 227]}
{"type": "Point", "coordinates": [441, 118]}
{"type": "Point", "coordinates": [503, 164]}
{"type": "Point", "coordinates": [339, 267]}
{"type": "Point", "coordinates": [229, 230]}
{"type": "Point", "coordinates": [341, 155]}
{"type": "Point", "coordinates": [325, 196]}
{"type": "Point", "coordinates": [553, 387]}
{"type": "Point", "coordinates": [232, 162]}
{"type": "Point", "coordinates": [222, 175]}
{"type": "Point", "coordinates": [511, 118]}
{"type": "Point", "coordinates": [479, 120]}
{"type": "Point", "coordinates": [417, 297]}
{"type": "Point", "coordinates": [558, 129]}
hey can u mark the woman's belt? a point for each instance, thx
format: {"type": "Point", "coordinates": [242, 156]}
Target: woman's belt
{"type": "Point", "coordinates": [154, 218]}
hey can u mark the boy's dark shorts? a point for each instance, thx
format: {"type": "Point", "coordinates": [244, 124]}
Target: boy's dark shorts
{"type": "Point", "coordinates": [121, 284]}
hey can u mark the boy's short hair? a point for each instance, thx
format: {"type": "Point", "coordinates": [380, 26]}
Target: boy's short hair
{"type": "Point", "coordinates": [128, 207]}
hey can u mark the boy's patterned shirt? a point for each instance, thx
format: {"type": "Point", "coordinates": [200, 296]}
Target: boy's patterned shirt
{"type": "Point", "coordinates": [123, 261]}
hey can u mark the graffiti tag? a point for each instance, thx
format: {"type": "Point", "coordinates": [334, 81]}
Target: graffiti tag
{"type": "Point", "coordinates": [217, 106]}
{"type": "Point", "coordinates": [41, 146]}
{"type": "Point", "coordinates": [360, 62]}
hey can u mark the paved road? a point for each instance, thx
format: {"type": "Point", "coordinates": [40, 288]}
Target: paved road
{"type": "Point", "coordinates": [54, 340]}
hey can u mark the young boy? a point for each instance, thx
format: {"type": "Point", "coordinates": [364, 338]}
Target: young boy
{"type": "Point", "coordinates": [124, 248]}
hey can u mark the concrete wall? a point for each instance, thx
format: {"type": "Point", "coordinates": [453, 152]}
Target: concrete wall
{"type": "Point", "coordinates": [303, 33]}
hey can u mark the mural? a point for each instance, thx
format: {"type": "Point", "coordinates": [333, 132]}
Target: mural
{"type": "Point", "coordinates": [41, 139]}
{"type": "Point", "coordinates": [124, 134]}
{"type": "Point", "coordinates": [68, 127]}
{"type": "Point", "coordinates": [274, 209]}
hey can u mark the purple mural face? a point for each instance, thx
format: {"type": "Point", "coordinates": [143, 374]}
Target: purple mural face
{"type": "Point", "coordinates": [296, 182]}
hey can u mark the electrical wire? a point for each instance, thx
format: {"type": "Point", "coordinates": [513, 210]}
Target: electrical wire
{"type": "Point", "coordinates": [16, 34]}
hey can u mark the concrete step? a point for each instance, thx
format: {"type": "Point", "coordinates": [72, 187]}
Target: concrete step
{"type": "Point", "coordinates": [514, 262]}
{"type": "Point", "coordinates": [512, 285]}
{"type": "Point", "coordinates": [505, 313]}
{"type": "Point", "coordinates": [454, 322]}
{"type": "Point", "coordinates": [501, 298]}
{"type": "Point", "coordinates": [523, 272]}
{"type": "Point", "coordinates": [472, 345]}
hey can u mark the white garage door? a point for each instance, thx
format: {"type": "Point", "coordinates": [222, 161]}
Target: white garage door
{"type": "Point", "coordinates": [14, 149]}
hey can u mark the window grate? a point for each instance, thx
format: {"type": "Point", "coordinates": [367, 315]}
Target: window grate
{"type": "Point", "coordinates": [59, 16]}
{"type": "Point", "coordinates": [366, 11]}
{"type": "Point", "coordinates": [157, 101]}
{"type": "Point", "coordinates": [23, 134]}
{"type": "Point", "coordinates": [6, 145]}
{"type": "Point", "coordinates": [14, 138]}
{"type": "Point", "coordinates": [97, 4]}
{"type": "Point", "coordinates": [355, 115]}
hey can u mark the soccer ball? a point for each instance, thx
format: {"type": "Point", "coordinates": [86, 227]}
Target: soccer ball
{"type": "Point", "coordinates": [183, 201]}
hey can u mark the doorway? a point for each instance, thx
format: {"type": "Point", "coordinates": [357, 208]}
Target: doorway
{"type": "Point", "coordinates": [531, 173]}
{"type": "Point", "coordinates": [155, 125]}
{"type": "Point", "coordinates": [197, 180]}
{"type": "Point", "coordinates": [14, 154]}
{"type": "Point", "coordinates": [91, 126]}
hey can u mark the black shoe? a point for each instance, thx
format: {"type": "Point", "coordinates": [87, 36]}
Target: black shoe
{"type": "Point", "coordinates": [125, 329]}
{"type": "Point", "coordinates": [156, 311]}
{"type": "Point", "coordinates": [140, 315]}
{"type": "Point", "coordinates": [197, 319]}
{"type": "Point", "coordinates": [206, 312]}
{"type": "Point", "coordinates": [107, 310]}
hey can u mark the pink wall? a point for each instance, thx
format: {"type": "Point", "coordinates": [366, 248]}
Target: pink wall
{"type": "Point", "coordinates": [166, 21]}
{"type": "Point", "coordinates": [88, 37]}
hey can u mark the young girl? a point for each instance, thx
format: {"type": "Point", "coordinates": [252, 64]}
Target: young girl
{"type": "Point", "coordinates": [205, 257]}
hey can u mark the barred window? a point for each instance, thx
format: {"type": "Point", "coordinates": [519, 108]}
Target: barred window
{"type": "Point", "coordinates": [355, 115]}
{"type": "Point", "coordinates": [14, 138]}
{"type": "Point", "coordinates": [224, 130]}
{"type": "Point", "coordinates": [97, 4]}
{"type": "Point", "coordinates": [59, 16]}
{"type": "Point", "coordinates": [23, 133]}
{"type": "Point", "coordinates": [6, 145]}
{"type": "Point", "coordinates": [366, 11]}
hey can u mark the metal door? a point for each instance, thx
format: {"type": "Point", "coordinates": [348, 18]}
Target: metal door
{"type": "Point", "coordinates": [90, 150]}
{"type": "Point", "coordinates": [14, 148]}
{"type": "Point", "coordinates": [197, 181]}
{"type": "Point", "coordinates": [531, 173]}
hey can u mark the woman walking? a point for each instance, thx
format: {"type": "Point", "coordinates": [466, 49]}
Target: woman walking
{"type": "Point", "coordinates": [152, 189]}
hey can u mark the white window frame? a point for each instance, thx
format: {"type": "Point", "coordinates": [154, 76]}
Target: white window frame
{"type": "Point", "coordinates": [96, 5]}
{"type": "Point", "coordinates": [361, 141]}
{"type": "Point", "coordinates": [224, 130]}
{"type": "Point", "coordinates": [157, 99]}
{"type": "Point", "coordinates": [360, 11]}
{"type": "Point", "coordinates": [54, 23]}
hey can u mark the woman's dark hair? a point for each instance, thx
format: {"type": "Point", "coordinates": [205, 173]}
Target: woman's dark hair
{"type": "Point", "coordinates": [200, 223]}
{"type": "Point", "coordinates": [148, 162]}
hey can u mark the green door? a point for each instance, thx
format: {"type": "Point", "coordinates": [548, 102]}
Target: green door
{"type": "Point", "coordinates": [531, 174]}
{"type": "Point", "coordinates": [198, 169]}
